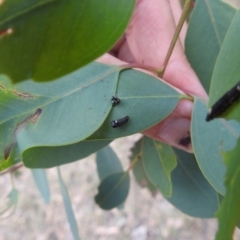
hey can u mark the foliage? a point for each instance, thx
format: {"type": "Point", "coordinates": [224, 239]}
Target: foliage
{"type": "Point", "coordinates": [229, 215]}
{"type": "Point", "coordinates": [47, 123]}
{"type": "Point", "coordinates": [47, 39]}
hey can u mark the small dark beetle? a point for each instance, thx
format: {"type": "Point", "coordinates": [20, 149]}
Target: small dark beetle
{"type": "Point", "coordinates": [115, 101]}
{"type": "Point", "coordinates": [224, 102]}
{"type": "Point", "coordinates": [119, 122]}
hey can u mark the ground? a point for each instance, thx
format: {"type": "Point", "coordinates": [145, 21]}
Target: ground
{"type": "Point", "coordinates": [142, 218]}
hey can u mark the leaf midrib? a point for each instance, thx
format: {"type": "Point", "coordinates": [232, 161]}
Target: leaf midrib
{"type": "Point", "coordinates": [94, 80]}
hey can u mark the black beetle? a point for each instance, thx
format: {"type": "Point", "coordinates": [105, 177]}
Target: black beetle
{"type": "Point", "coordinates": [115, 101]}
{"type": "Point", "coordinates": [224, 102]}
{"type": "Point", "coordinates": [119, 122]}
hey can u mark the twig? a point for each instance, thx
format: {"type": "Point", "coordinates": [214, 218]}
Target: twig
{"type": "Point", "coordinates": [12, 169]}
{"type": "Point", "coordinates": [184, 15]}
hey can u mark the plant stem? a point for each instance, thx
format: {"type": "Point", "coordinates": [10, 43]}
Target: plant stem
{"type": "Point", "coordinates": [134, 162]}
{"type": "Point", "coordinates": [186, 8]}
{"type": "Point", "coordinates": [12, 169]}
{"type": "Point", "coordinates": [188, 97]}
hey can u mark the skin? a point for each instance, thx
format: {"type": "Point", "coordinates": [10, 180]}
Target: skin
{"type": "Point", "coordinates": [146, 40]}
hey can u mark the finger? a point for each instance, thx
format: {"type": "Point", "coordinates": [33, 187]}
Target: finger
{"type": "Point", "coordinates": [175, 129]}
{"type": "Point", "coordinates": [114, 50]}
{"type": "Point", "coordinates": [149, 35]}
{"type": "Point", "coordinates": [111, 60]}
{"type": "Point", "coordinates": [125, 54]}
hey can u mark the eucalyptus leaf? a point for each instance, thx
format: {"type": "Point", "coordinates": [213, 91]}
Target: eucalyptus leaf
{"type": "Point", "coordinates": [13, 159]}
{"type": "Point", "coordinates": [12, 200]}
{"type": "Point", "coordinates": [209, 139]}
{"type": "Point", "coordinates": [47, 39]}
{"type": "Point", "coordinates": [47, 157]}
{"type": "Point", "coordinates": [229, 213]}
{"type": "Point", "coordinates": [69, 110]}
{"type": "Point", "coordinates": [138, 169]}
{"type": "Point", "coordinates": [159, 161]}
{"type": "Point", "coordinates": [226, 72]}
{"type": "Point", "coordinates": [68, 207]}
{"type": "Point", "coordinates": [207, 28]}
{"type": "Point", "coordinates": [191, 192]}
{"type": "Point", "coordinates": [144, 99]}
{"type": "Point", "coordinates": [40, 178]}
{"type": "Point", "coordinates": [107, 163]}
{"type": "Point", "coordinates": [58, 113]}
{"type": "Point", "coordinates": [113, 190]}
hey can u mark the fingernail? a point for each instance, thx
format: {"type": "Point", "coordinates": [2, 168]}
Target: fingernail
{"type": "Point", "coordinates": [177, 133]}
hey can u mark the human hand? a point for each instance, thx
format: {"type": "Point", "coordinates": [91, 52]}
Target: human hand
{"type": "Point", "coordinates": [147, 40]}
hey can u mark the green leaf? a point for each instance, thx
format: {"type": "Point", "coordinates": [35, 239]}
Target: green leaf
{"type": "Point", "coordinates": [192, 193]}
{"type": "Point", "coordinates": [226, 72]}
{"type": "Point", "coordinates": [68, 207]}
{"type": "Point", "coordinates": [229, 213]}
{"type": "Point", "coordinates": [72, 108]}
{"type": "Point", "coordinates": [14, 157]}
{"type": "Point", "coordinates": [139, 93]}
{"type": "Point", "coordinates": [47, 157]}
{"type": "Point", "coordinates": [107, 163]}
{"type": "Point", "coordinates": [206, 31]}
{"type": "Point", "coordinates": [69, 110]}
{"type": "Point", "coordinates": [56, 113]}
{"type": "Point", "coordinates": [209, 139]}
{"type": "Point", "coordinates": [138, 169]}
{"type": "Point", "coordinates": [158, 161]}
{"type": "Point", "coordinates": [113, 190]}
{"type": "Point", "coordinates": [12, 200]}
{"type": "Point", "coordinates": [41, 181]}
{"type": "Point", "coordinates": [46, 39]}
